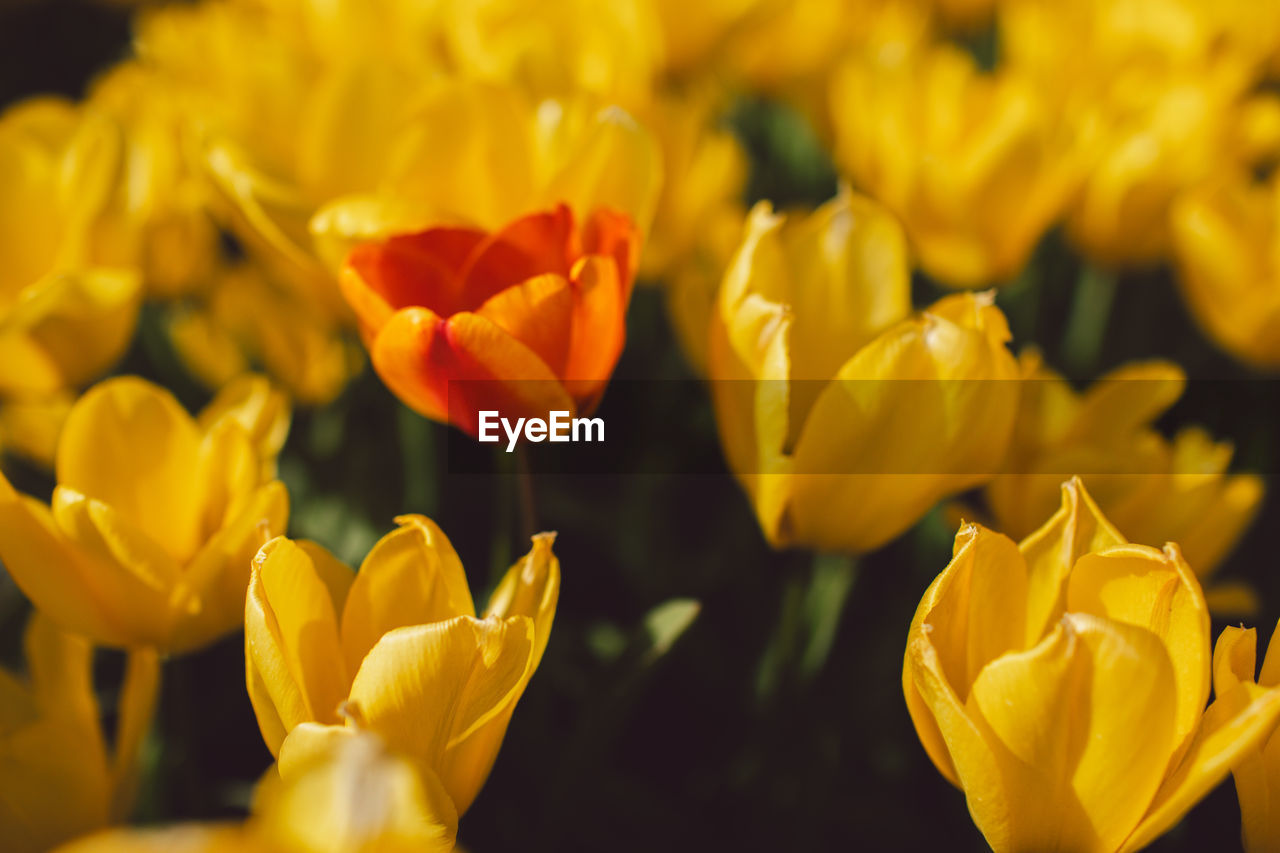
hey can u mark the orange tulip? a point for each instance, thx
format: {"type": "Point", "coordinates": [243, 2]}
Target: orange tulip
{"type": "Point", "coordinates": [528, 319]}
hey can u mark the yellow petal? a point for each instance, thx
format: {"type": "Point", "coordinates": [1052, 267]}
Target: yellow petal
{"type": "Point", "coordinates": [1234, 726]}
{"type": "Point", "coordinates": [129, 444]}
{"type": "Point", "coordinates": [291, 636]}
{"type": "Point", "coordinates": [344, 792]}
{"type": "Point", "coordinates": [412, 576]}
{"type": "Point", "coordinates": [985, 575]}
{"type": "Point", "coordinates": [219, 574]}
{"type": "Point", "coordinates": [1235, 658]}
{"type": "Point", "coordinates": [1141, 586]}
{"type": "Point", "coordinates": [254, 403]}
{"type": "Point", "coordinates": [190, 838]}
{"type": "Point", "coordinates": [426, 688]}
{"type": "Point", "coordinates": [531, 588]}
{"type": "Point", "coordinates": [1077, 528]}
{"type": "Point", "coordinates": [1082, 726]}
{"type": "Point", "coordinates": [100, 599]}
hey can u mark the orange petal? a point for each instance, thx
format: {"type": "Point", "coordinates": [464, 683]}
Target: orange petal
{"type": "Point", "coordinates": [599, 328]}
{"type": "Point", "coordinates": [410, 269]}
{"type": "Point", "coordinates": [611, 232]}
{"type": "Point", "coordinates": [543, 242]}
{"type": "Point", "coordinates": [537, 312]}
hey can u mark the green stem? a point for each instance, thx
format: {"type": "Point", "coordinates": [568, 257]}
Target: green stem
{"type": "Point", "coordinates": [1087, 323]}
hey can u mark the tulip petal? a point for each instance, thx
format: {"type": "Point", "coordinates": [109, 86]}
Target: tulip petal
{"type": "Point", "coordinates": [538, 312]}
{"type": "Point", "coordinates": [1076, 529]}
{"type": "Point", "coordinates": [1235, 658]}
{"type": "Point", "coordinates": [130, 445]}
{"type": "Point", "coordinates": [408, 270]}
{"type": "Point", "coordinates": [412, 576]}
{"type": "Point", "coordinates": [291, 636]}
{"type": "Point", "coordinates": [1235, 725]}
{"type": "Point", "coordinates": [531, 588]}
{"type": "Point", "coordinates": [426, 688]}
{"type": "Point", "coordinates": [344, 790]}
{"type": "Point", "coordinates": [985, 574]}
{"type": "Point", "coordinates": [598, 330]}
{"type": "Point", "coordinates": [63, 580]}
{"type": "Point", "coordinates": [613, 234]}
{"type": "Point", "coordinates": [1140, 586]}
{"type": "Point", "coordinates": [533, 245]}
{"type": "Point", "coordinates": [1082, 726]}
{"type": "Point", "coordinates": [1125, 400]}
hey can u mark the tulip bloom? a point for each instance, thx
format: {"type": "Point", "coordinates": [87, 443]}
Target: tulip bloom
{"type": "Point", "coordinates": [395, 649]}
{"type": "Point", "coordinates": [525, 321]}
{"type": "Point", "coordinates": [353, 796]}
{"type": "Point", "coordinates": [1258, 775]}
{"type": "Point", "coordinates": [1154, 489]}
{"type": "Point", "coordinates": [65, 315]}
{"type": "Point", "coordinates": [975, 165]}
{"type": "Point", "coordinates": [1227, 244]}
{"type": "Point", "coordinates": [152, 526]}
{"type": "Point", "coordinates": [1061, 684]}
{"type": "Point", "coordinates": [845, 417]}
{"type": "Point", "coordinates": [60, 779]}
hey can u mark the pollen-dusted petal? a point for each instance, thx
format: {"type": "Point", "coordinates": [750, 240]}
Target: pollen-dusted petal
{"type": "Point", "coordinates": [412, 576]}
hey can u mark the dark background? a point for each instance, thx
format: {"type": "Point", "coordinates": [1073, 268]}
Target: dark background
{"type": "Point", "coordinates": [776, 721]}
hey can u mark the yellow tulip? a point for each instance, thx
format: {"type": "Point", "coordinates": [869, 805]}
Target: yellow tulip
{"type": "Point", "coordinates": [395, 649]}
{"type": "Point", "coordinates": [152, 526]}
{"type": "Point", "coordinates": [64, 315]}
{"type": "Point", "coordinates": [157, 220]}
{"type": "Point", "coordinates": [332, 143]}
{"type": "Point", "coordinates": [30, 426]}
{"type": "Point", "coordinates": [700, 212]}
{"type": "Point", "coordinates": [844, 417]}
{"type": "Point", "coordinates": [1154, 489]}
{"type": "Point", "coordinates": [1061, 684]}
{"type": "Point", "coordinates": [355, 797]}
{"type": "Point", "coordinates": [1258, 774]}
{"type": "Point", "coordinates": [976, 165]}
{"type": "Point", "coordinates": [246, 319]}
{"type": "Point", "coordinates": [60, 778]}
{"type": "Point", "coordinates": [1227, 243]}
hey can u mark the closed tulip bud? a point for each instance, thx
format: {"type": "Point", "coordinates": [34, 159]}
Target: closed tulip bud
{"type": "Point", "coordinates": [60, 778]}
{"type": "Point", "coordinates": [152, 526]}
{"type": "Point", "coordinates": [65, 315]}
{"type": "Point", "coordinates": [395, 649]}
{"type": "Point", "coordinates": [1155, 489]}
{"type": "Point", "coordinates": [977, 166]}
{"type": "Point", "coordinates": [1227, 243]}
{"type": "Point", "coordinates": [1061, 684]}
{"type": "Point", "coordinates": [1234, 661]}
{"type": "Point", "coordinates": [845, 417]}
{"type": "Point", "coordinates": [527, 320]}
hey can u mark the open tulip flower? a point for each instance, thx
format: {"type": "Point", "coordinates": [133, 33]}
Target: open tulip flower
{"type": "Point", "coordinates": [59, 778]}
{"type": "Point", "coordinates": [1258, 774]}
{"type": "Point", "coordinates": [154, 521]}
{"type": "Point", "coordinates": [395, 649]}
{"type": "Point", "coordinates": [844, 416]}
{"type": "Point", "coordinates": [1155, 489]}
{"type": "Point", "coordinates": [526, 320]}
{"type": "Point", "coordinates": [1061, 683]}
{"type": "Point", "coordinates": [355, 795]}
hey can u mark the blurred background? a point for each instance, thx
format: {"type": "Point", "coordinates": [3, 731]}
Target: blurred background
{"type": "Point", "coordinates": [700, 690]}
